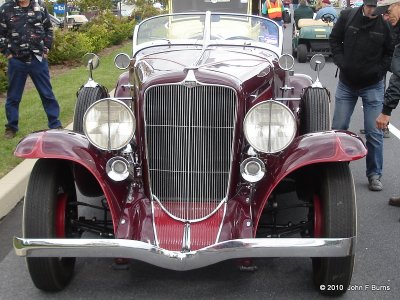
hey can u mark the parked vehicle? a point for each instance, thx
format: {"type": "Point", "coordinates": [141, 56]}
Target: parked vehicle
{"type": "Point", "coordinates": [188, 161]}
{"type": "Point", "coordinates": [75, 21]}
{"type": "Point", "coordinates": [56, 22]}
{"type": "Point", "coordinates": [312, 37]}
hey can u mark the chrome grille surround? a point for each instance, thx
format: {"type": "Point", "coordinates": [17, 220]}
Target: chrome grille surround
{"type": "Point", "coordinates": [189, 136]}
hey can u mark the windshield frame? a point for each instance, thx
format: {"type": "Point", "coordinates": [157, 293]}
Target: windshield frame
{"type": "Point", "coordinates": [206, 41]}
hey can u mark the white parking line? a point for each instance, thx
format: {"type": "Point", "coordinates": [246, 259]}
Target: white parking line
{"type": "Point", "coordinates": [394, 131]}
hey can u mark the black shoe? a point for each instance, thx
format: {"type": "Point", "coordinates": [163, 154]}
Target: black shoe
{"type": "Point", "coordinates": [394, 201]}
{"type": "Point", "coordinates": [374, 183]}
{"type": "Point", "coordinates": [9, 133]}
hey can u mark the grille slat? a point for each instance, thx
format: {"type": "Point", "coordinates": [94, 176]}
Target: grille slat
{"type": "Point", "coordinates": [189, 133]}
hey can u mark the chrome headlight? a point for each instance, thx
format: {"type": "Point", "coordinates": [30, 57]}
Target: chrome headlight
{"type": "Point", "coordinates": [109, 124]}
{"type": "Point", "coordinates": [269, 126]}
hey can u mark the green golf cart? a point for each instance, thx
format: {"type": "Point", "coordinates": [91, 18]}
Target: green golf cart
{"type": "Point", "coordinates": [311, 37]}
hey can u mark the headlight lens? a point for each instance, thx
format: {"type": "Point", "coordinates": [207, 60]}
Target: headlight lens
{"type": "Point", "coordinates": [109, 124]}
{"type": "Point", "coordinates": [269, 126]}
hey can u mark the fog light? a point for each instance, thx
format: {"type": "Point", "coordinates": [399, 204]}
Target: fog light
{"type": "Point", "coordinates": [252, 169]}
{"type": "Point", "coordinates": [117, 168]}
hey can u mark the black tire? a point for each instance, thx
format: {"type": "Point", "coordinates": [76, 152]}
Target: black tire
{"type": "Point", "coordinates": [314, 110]}
{"type": "Point", "coordinates": [338, 206]}
{"type": "Point", "coordinates": [49, 180]}
{"type": "Point", "coordinates": [302, 53]}
{"type": "Point", "coordinates": [86, 97]}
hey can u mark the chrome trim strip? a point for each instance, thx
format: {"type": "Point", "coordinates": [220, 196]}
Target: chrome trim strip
{"type": "Point", "coordinates": [154, 198]}
{"type": "Point", "coordinates": [154, 224]}
{"type": "Point", "coordinates": [241, 248]}
{"type": "Point", "coordinates": [222, 223]}
{"type": "Point", "coordinates": [186, 238]}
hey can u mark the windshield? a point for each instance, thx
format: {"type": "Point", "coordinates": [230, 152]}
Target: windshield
{"type": "Point", "coordinates": [228, 6]}
{"type": "Point", "coordinates": [209, 29]}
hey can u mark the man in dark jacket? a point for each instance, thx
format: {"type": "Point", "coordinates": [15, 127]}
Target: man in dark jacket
{"type": "Point", "coordinates": [303, 11]}
{"type": "Point", "coordinates": [391, 12]}
{"type": "Point", "coordinates": [362, 49]}
{"type": "Point", "coordinates": [26, 36]}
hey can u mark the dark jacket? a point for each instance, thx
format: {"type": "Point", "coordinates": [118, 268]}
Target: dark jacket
{"type": "Point", "coordinates": [25, 30]}
{"type": "Point", "coordinates": [362, 49]}
{"type": "Point", "coordinates": [302, 12]}
{"type": "Point", "coordinates": [392, 94]}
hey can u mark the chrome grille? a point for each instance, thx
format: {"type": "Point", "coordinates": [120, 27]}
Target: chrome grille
{"type": "Point", "coordinates": [189, 135]}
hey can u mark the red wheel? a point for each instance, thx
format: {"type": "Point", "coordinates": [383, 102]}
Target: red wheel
{"type": "Point", "coordinates": [47, 215]}
{"type": "Point", "coordinates": [61, 208]}
{"type": "Point", "coordinates": [318, 217]}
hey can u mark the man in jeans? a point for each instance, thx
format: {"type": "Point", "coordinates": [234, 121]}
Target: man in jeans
{"type": "Point", "coordinates": [362, 50]}
{"type": "Point", "coordinates": [26, 36]}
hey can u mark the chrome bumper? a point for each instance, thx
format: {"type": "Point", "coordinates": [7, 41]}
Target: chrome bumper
{"type": "Point", "coordinates": [174, 260]}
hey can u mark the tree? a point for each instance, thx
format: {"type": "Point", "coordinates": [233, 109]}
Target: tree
{"type": "Point", "coordinates": [84, 5]}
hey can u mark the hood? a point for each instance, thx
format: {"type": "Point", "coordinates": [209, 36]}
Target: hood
{"type": "Point", "coordinates": [216, 66]}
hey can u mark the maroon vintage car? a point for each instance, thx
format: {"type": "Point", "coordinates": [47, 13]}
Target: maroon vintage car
{"type": "Point", "coordinates": [211, 149]}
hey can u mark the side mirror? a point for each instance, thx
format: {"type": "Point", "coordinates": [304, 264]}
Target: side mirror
{"type": "Point", "coordinates": [91, 61]}
{"type": "Point", "coordinates": [286, 62]}
{"type": "Point", "coordinates": [122, 61]}
{"type": "Point", "coordinates": [317, 63]}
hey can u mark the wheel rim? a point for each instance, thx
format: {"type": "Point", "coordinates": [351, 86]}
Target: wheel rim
{"type": "Point", "coordinates": [318, 225]}
{"type": "Point", "coordinates": [62, 200]}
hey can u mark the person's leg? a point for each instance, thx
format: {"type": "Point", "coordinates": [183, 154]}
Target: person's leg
{"type": "Point", "coordinates": [17, 74]}
{"type": "Point", "coordinates": [345, 101]}
{"type": "Point", "coordinates": [372, 104]}
{"type": "Point", "coordinates": [39, 72]}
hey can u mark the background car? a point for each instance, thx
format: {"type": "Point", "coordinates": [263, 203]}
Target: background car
{"type": "Point", "coordinates": [75, 21]}
{"type": "Point", "coordinates": [56, 22]}
{"type": "Point", "coordinates": [187, 163]}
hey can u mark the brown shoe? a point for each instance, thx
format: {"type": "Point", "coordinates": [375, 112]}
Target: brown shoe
{"type": "Point", "coordinates": [9, 133]}
{"type": "Point", "coordinates": [394, 201]}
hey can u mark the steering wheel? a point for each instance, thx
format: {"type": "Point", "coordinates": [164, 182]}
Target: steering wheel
{"type": "Point", "coordinates": [328, 17]}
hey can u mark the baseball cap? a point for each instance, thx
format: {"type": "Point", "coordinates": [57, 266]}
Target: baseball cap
{"type": "Point", "coordinates": [370, 2]}
{"type": "Point", "coordinates": [382, 6]}
{"type": "Point", "coordinates": [326, 1]}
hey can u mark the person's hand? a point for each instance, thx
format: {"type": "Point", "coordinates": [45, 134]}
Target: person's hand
{"type": "Point", "coordinates": [9, 56]}
{"type": "Point", "coordinates": [382, 121]}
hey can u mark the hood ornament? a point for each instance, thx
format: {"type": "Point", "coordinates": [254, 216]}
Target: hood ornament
{"type": "Point", "coordinates": [190, 81]}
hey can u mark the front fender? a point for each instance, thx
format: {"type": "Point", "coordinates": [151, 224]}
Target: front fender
{"type": "Point", "coordinates": [327, 146]}
{"type": "Point", "coordinates": [71, 146]}
{"type": "Point", "coordinates": [309, 149]}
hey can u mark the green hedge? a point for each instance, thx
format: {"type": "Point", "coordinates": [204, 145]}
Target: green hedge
{"type": "Point", "coordinates": [70, 45]}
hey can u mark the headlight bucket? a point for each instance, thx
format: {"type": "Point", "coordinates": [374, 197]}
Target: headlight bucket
{"type": "Point", "coordinates": [109, 124]}
{"type": "Point", "coordinates": [269, 126]}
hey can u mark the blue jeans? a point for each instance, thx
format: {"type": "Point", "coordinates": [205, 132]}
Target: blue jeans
{"type": "Point", "coordinates": [372, 98]}
{"type": "Point", "coordinates": [17, 73]}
